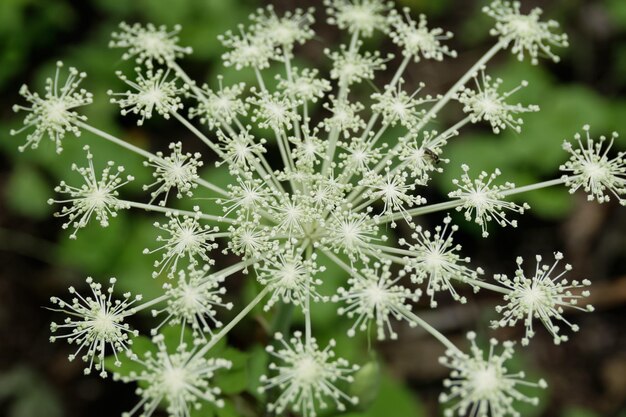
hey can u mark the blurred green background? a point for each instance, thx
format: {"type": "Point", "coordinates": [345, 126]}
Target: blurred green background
{"type": "Point", "coordinates": [587, 375]}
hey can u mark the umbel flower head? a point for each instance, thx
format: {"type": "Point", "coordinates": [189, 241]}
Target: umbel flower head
{"type": "Point", "coordinates": [591, 168]}
{"type": "Point", "coordinates": [181, 380]}
{"type": "Point", "coordinates": [374, 297]}
{"type": "Point", "coordinates": [97, 196]}
{"type": "Point", "coordinates": [484, 201]}
{"type": "Point", "coordinates": [416, 39]}
{"type": "Point", "coordinates": [434, 257]}
{"type": "Point", "coordinates": [178, 170]}
{"type": "Point", "coordinates": [149, 44]}
{"type": "Point", "coordinates": [526, 32]}
{"type": "Point", "coordinates": [193, 301]}
{"type": "Point", "coordinates": [306, 376]}
{"type": "Point", "coordinates": [152, 92]}
{"type": "Point", "coordinates": [482, 386]}
{"type": "Point", "coordinates": [488, 104]}
{"type": "Point", "coordinates": [95, 323]}
{"type": "Point", "coordinates": [54, 114]}
{"type": "Point", "coordinates": [542, 296]}
{"type": "Point", "coordinates": [184, 238]}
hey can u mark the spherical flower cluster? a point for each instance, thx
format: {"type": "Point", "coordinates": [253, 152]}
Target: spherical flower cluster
{"type": "Point", "coordinates": [193, 300]}
{"type": "Point", "coordinates": [486, 103]}
{"type": "Point", "coordinates": [149, 44]}
{"type": "Point", "coordinates": [358, 16]}
{"type": "Point", "coordinates": [591, 169]}
{"type": "Point", "coordinates": [181, 380]}
{"type": "Point", "coordinates": [375, 296]}
{"type": "Point", "coordinates": [178, 170]}
{"type": "Point", "coordinates": [434, 257]}
{"type": "Point", "coordinates": [153, 92]}
{"type": "Point", "coordinates": [483, 386]}
{"type": "Point", "coordinates": [94, 323]}
{"type": "Point", "coordinates": [485, 201]}
{"type": "Point", "coordinates": [541, 296]}
{"type": "Point", "coordinates": [53, 114]}
{"type": "Point", "coordinates": [307, 376]}
{"type": "Point", "coordinates": [97, 196]}
{"type": "Point", "coordinates": [417, 40]}
{"type": "Point", "coordinates": [528, 34]}
{"type": "Point", "coordinates": [184, 238]}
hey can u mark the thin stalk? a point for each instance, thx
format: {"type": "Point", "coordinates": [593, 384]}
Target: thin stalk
{"type": "Point", "coordinates": [447, 205]}
{"type": "Point", "coordinates": [430, 329]}
{"type": "Point", "coordinates": [160, 209]}
{"type": "Point", "coordinates": [198, 134]}
{"type": "Point", "coordinates": [224, 331]}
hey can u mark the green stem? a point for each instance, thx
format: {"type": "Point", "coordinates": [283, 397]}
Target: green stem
{"type": "Point", "coordinates": [224, 331]}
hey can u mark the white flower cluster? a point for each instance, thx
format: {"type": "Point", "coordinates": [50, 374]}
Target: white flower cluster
{"type": "Point", "coordinates": [319, 173]}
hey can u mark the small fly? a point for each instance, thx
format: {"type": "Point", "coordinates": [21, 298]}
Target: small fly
{"type": "Point", "coordinates": [434, 158]}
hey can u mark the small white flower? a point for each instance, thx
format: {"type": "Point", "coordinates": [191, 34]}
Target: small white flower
{"type": "Point", "coordinates": [184, 238]}
{"type": "Point", "coordinates": [359, 155]}
{"type": "Point", "coordinates": [484, 200]}
{"type": "Point", "coordinates": [396, 106]}
{"type": "Point", "coordinates": [375, 296]}
{"type": "Point", "coordinates": [483, 386]}
{"type": "Point", "coordinates": [240, 151]}
{"type": "Point", "coordinates": [153, 92]}
{"type": "Point", "coordinates": [527, 33]}
{"type": "Point", "coordinates": [417, 40]}
{"type": "Point", "coordinates": [53, 114]}
{"type": "Point", "coordinates": [293, 27]}
{"type": "Point", "coordinates": [304, 85]}
{"type": "Point", "coordinates": [178, 170]}
{"type": "Point", "coordinates": [541, 296]}
{"type": "Point", "coordinates": [344, 117]}
{"type": "Point", "coordinates": [94, 323]}
{"type": "Point", "coordinates": [308, 150]}
{"type": "Point", "coordinates": [436, 258]}
{"type": "Point", "coordinates": [149, 44]}
{"type": "Point", "coordinates": [361, 17]}
{"type": "Point", "coordinates": [352, 233]}
{"type": "Point", "coordinates": [394, 190]}
{"type": "Point", "coordinates": [248, 49]}
{"type": "Point", "coordinates": [351, 67]}
{"type": "Point", "coordinates": [307, 377]}
{"type": "Point", "coordinates": [273, 111]}
{"type": "Point", "coordinates": [250, 240]}
{"type": "Point", "coordinates": [221, 107]}
{"type": "Point", "coordinates": [290, 277]}
{"type": "Point", "coordinates": [193, 301]}
{"type": "Point", "coordinates": [95, 197]}
{"type": "Point", "coordinates": [180, 380]}
{"type": "Point", "coordinates": [486, 103]}
{"type": "Point", "coordinates": [590, 168]}
{"type": "Point", "coordinates": [246, 198]}
{"type": "Point", "coordinates": [420, 153]}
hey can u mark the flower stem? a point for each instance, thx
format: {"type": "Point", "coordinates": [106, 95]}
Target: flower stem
{"type": "Point", "coordinates": [224, 331]}
{"type": "Point", "coordinates": [152, 207]}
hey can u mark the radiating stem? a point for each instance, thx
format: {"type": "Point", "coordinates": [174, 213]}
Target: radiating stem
{"type": "Point", "coordinates": [152, 207]}
{"type": "Point", "coordinates": [148, 155]}
{"type": "Point", "coordinates": [430, 329]}
{"type": "Point", "coordinates": [447, 205]}
{"type": "Point", "coordinates": [224, 330]}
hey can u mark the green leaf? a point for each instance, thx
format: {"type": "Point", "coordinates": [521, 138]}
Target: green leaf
{"type": "Point", "coordinates": [27, 192]}
{"type": "Point", "coordinates": [235, 380]}
{"type": "Point", "coordinates": [366, 384]}
{"type": "Point", "coordinates": [393, 397]}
